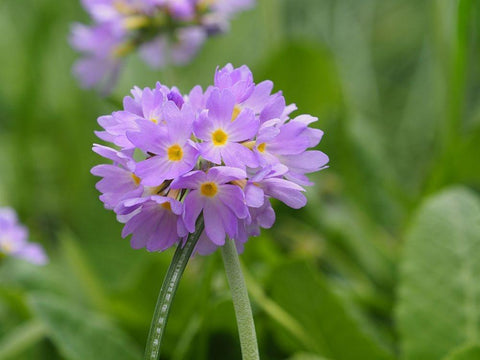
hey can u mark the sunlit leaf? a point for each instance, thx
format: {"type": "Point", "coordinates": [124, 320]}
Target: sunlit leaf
{"type": "Point", "coordinates": [438, 301]}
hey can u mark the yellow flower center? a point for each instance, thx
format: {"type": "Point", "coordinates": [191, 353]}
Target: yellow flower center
{"type": "Point", "coordinates": [175, 153]}
{"type": "Point", "coordinates": [261, 147]}
{"type": "Point", "coordinates": [167, 206]}
{"type": "Point", "coordinates": [6, 247]}
{"type": "Point", "coordinates": [136, 22]}
{"type": "Point", "coordinates": [136, 179]}
{"type": "Point", "coordinates": [123, 49]}
{"type": "Point", "coordinates": [122, 7]}
{"type": "Point", "coordinates": [219, 137]}
{"type": "Point", "coordinates": [236, 110]}
{"type": "Point", "coordinates": [154, 120]}
{"type": "Point", "coordinates": [203, 5]}
{"type": "Point", "coordinates": [209, 189]}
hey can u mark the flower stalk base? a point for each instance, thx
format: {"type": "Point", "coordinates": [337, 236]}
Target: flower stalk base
{"type": "Point", "coordinates": [241, 302]}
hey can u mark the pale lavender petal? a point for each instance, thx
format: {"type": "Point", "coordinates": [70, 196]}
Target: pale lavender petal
{"type": "Point", "coordinates": [285, 191]}
{"type": "Point", "coordinates": [244, 127]}
{"type": "Point", "coordinates": [191, 180]}
{"type": "Point", "coordinates": [210, 152]}
{"type": "Point", "coordinates": [214, 225]}
{"type": "Point", "coordinates": [274, 109]}
{"type": "Point", "coordinates": [153, 52]}
{"type": "Point", "coordinates": [193, 205]}
{"type": "Point", "coordinates": [204, 126]}
{"type": "Point", "coordinates": [233, 197]}
{"type": "Point", "coordinates": [254, 195]}
{"type": "Point", "coordinates": [220, 107]}
{"type": "Point", "coordinates": [153, 171]}
{"type": "Point", "coordinates": [204, 245]}
{"type": "Point", "coordinates": [236, 155]}
{"type": "Point", "coordinates": [225, 174]}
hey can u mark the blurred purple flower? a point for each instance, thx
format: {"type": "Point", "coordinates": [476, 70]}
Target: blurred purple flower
{"type": "Point", "coordinates": [13, 240]}
{"type": "Point", "coordinates": [163, 31]}
{"type": "Point", "coordinates": [222, 153]}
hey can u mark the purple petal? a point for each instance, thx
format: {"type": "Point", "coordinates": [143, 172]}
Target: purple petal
{"type": "Point", "coordinates": [192, 180]}
{"type": "Point", "coordinates": [220, 106]}
{"type": "Point", "coordinates": [244, 127]}
{"type": "Point", "coordinates": [193, 205]}
{"type": "Point", "coordinates": [225, 174]}
{"type": "Point", "coordinates": [285, 191]}
{"type": "Point", "coordinates": [233, 197]}
{"type": "Point", "coordinates": [214, 227]}
{"type": "Point", "coordinates": [254, 195]}
{"type": "Point", "coordinates": [236, 155]}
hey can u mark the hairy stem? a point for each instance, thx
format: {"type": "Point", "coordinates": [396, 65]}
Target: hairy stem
{"type": "Point", "coordinates": [241, 303]}
{"type": "Point", "coordinates": [167, 293]}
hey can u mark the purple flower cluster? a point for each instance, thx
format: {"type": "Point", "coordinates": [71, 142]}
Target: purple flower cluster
{"type": "Point", "coordinates": [13, 240]}
{"type": "Point", "coordinates": [223, 152]}
{"type": "Point", "coordinates": [164, 31]}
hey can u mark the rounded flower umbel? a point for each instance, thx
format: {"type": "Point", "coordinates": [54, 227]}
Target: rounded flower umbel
{"type": "Point", "coordinates": [163, 32]}
{"type": "Point", "coordinates": [13, 240]}
{"type": "Point", "coordinates": [222, 154]}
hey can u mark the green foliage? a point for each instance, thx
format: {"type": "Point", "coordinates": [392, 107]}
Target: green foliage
{"type": "Point", "coordinates": [467, 352]}
{"type": "Point", "coordinates": [395, 85]}
{"type": "Point", "coordinates": [438, 301]}
{"type": "Point", "coordinates": [80, 334]}
{"type": "Point", "coordinates": [305, 356]}
{"type": "Point", "coordinates": [306, 296]}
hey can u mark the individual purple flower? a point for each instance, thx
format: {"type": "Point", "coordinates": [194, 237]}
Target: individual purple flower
{"type": "Point", "coordinates": [269, 181]}
{"type": "Point", "coordinates": [101, 47]}
{"type": "Point", "coordinates": [155, 222]}
{"type": "Point", "coordinates": [178, 50]}
{"type": "Point", "coordinates": [222, 203]}
{"type": "Point", "coordinates": [172, 152]}
{"type": "Point", "coordinates": [119, 180]}
{"type": "Point", "coordinates": [222, 154]}
{"type": "Point", "coordinates": [223, 131]}
{"type": "Point", "coordinates": [146, 104]}
{"type": "Point", "coordinates": [13, 240]}
{"type": "Point", "coordinates": [163, 31]}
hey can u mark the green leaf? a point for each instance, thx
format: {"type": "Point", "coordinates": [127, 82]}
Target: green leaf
{"type": "Point", "coordinates": [438, 307]}
{"type": "Point", "coordinates": [80, 334]}
{"type": "Point", "coordinates": [305, 295]}
{"type": "Point", "coordinates": [20, 339]}
{"type": "Point", "coordinates": [306, 356]}
{"type": "Point", "coordinates": [468, 352]}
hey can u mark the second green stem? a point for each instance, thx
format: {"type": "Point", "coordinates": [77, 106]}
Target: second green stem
{"type": "Point", "coordinates": [241, 302]}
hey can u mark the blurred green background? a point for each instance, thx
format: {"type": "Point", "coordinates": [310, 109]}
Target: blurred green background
{"type": "Point", "coordinates": [384, 261]}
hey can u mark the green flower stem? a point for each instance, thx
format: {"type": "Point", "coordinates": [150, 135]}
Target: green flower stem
{"type": "Point", "coordinates": [241, 303]}
{"type": "Point", "coordinates": [167, 293]}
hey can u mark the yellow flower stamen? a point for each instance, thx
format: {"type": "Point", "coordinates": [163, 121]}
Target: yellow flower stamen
{"type": "Point", "coordinates": [136, 179]}
{"type": "Point", "coordinates": [204, 5]}
{"type": "Point", "coordinates": [249, 144]}
{"type": "Point", "coordinates": [124, 49]}
{"type": "Point", "coordinates": [136, 22]}
{"type": "Point", "coordinates": [219, 137]}
{"type": "Point", "coordinates": [123, 8]}
{"type": "Point", "coordinates": [175, 153]}
{"type": "Point", "coordinates": [261, 147]}
{"type": "Point", "coordinates": [241, 183]}
{"type": "Point", "coordinates": [6, 247]}
{"type": "Point", "coordinates": [166, 205]}
{"type": "Point", "coordinates": [209, 189]}
{"type": "Point", "coordinates": [236, 111]}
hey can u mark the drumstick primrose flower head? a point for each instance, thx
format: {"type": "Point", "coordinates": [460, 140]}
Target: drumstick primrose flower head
{"type": "Point", "coordinates": [222, 153]}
